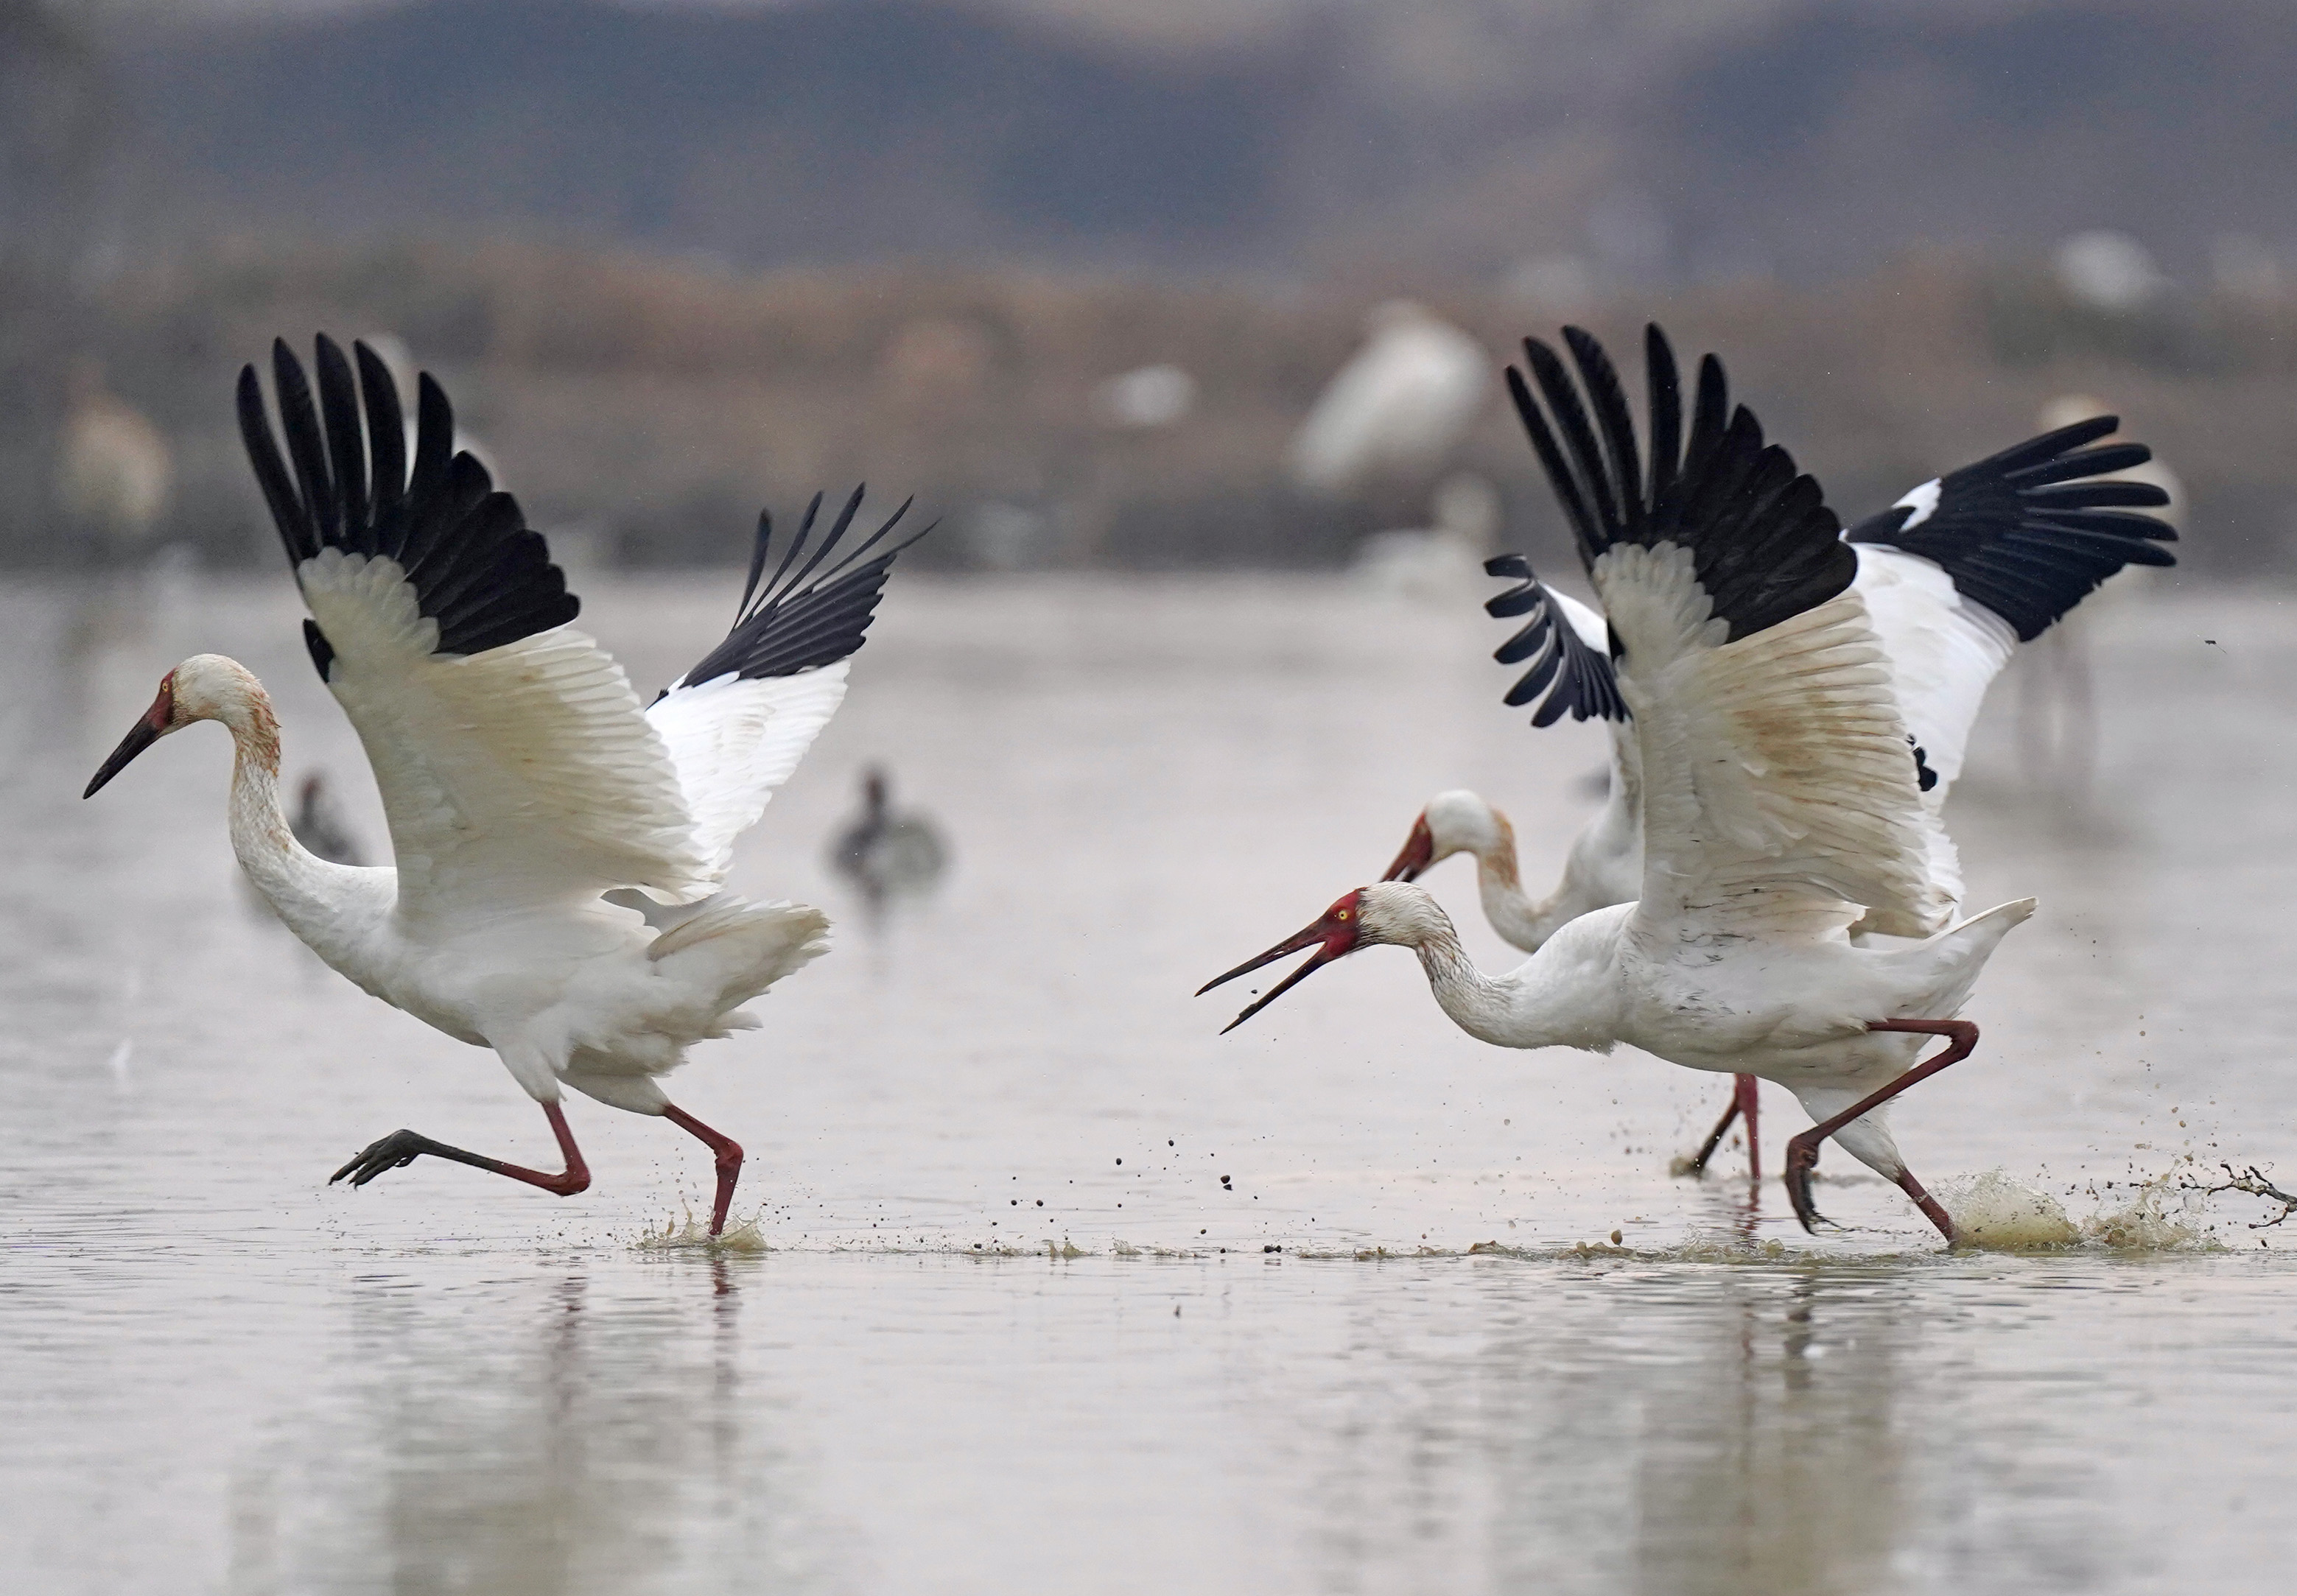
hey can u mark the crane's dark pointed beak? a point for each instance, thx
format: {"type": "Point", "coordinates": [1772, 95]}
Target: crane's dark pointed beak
{"type": "Point", "coordinates": [1418, 853]}
{"type": "Point", "coordinates": [140, 736]}
{"type": "Point", "coordinates": [1336, 932]}
{"type": "Point", "coordinates": [135, 742]}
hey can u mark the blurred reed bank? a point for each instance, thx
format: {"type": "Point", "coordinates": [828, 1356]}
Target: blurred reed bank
{"type": "Point", "coordinates": [1124, 287]}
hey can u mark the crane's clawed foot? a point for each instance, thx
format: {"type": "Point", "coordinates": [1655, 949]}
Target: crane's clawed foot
{"type": "Point", "coordinates": [1802, 1157]}
{"type": "Point", "coordinates": [395, 1151]}
{"type": "Point", "coordinates": [402, 1148]}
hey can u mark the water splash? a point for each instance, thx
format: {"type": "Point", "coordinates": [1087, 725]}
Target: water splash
{"type": "Point", "coordinates": [1995, 1211]}
{"type": "Point", "coordinates": [688, 1233]}
{"type": "Point", "coordinates": [2160, 1215]}
{"type": "Point", "coordinates": [1995, 1214]}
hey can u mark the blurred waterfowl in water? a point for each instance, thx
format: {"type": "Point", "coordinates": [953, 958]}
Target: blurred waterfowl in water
{"type": "Point", "coordinates": [1782, 796]}
{"type": "Point", "coordinates": [886, 854]}
{"type": "Point", "coordinates": [320, 825]}
{"type": "Point", "coordinates": [1954, 575]}
{"type": "Point", "coordinates": [561, 851]}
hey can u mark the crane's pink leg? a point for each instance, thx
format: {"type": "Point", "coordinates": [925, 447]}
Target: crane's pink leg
{"type": "Point", "coordinates": [402, 1148]}
{"type": "Point", "coordinates": [1802, 1151]}
{"type": "Point", "coordinates": [1746, 1098]}
{"type": "Point", "coordinates": [730, 1160]}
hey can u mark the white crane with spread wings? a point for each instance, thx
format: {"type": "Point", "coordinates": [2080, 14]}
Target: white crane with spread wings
{"type": "Point", "coordinates": [1955, 574]}
{"type": "Point", "coordinates": [1781, 802]}
{"type": "Point", "coordinates": [560, 849]}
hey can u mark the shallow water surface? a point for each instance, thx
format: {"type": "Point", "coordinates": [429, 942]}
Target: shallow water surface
{"type": "Point", "coordinates": [1061, 1292]}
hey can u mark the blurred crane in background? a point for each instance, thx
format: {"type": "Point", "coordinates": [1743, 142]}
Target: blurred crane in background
{"type": "Point", "coordinates": [1398, 407]}
{"type": "Point", "coordinates": [113, 470]}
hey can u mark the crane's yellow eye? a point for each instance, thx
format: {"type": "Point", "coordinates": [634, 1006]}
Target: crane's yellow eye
{"type": "Point", "coordinates": [1343, 914]}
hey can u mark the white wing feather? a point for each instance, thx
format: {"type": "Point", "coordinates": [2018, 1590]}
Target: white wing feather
{"type": "Point", "coordinates": [520, 776]}
{"type": "Point", "coordinates": [1944, 651]}
{"type": "Point", "coordinates": [1591, 626]}
{"type": "Point", "coordinates": [1779, 791]}
{"type": "Point", "coordinates": [733, 741]}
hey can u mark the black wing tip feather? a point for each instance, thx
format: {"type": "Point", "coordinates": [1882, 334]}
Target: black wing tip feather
{"type": "Point", "coordinates": [1764, 545]}
{"type": "Point", "coordinates": [323, 653]}
{"type": "Point", "coordinates": [476, 568]}
{"type": "Point", "coordinates": [1573, 678]}
{"type": "Point", "coordinates": [801, 620]}
{"type": "Point", "coordinates": [2030, 531]}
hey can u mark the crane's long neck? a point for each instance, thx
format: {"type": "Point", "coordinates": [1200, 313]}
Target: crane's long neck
{"type": "Point", "coordinates": [1525, 922]}
{"type": "Point", "coordinates": [1478, 1004]}
{"type": "Point", "coordinates": [1563, 995]}
{"type": "Point", "coordinates": [306, 890]}
{"type": "Point", "coordinates": [1605, 867]}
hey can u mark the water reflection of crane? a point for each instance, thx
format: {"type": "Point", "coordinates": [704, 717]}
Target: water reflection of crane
{"type": "Point", "coordinates": [588, 1431]}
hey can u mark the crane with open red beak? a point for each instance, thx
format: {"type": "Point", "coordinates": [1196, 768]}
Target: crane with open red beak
{"type": "Point", "coordinates": [1334, 936]}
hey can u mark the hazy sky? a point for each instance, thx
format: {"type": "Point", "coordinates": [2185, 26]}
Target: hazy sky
{"type": "Point", "coordinates": [1173, 20]}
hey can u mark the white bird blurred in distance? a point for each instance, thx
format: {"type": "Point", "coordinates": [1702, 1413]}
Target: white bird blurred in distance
{"type": "Point", "coordinates": [1145, 398]}
{"type": "Point", "coordinates": [560, 850]}
{"type": "Point", "coordinates": [114, 471]}
{"type": "Point", "coordinates": [1399, 407]}
{"type": "Point", "coordinates": [1781, 802]}
{"type": "Point", "coordinates": [886, 853]}
{"type": "Point", "coordinates": [2108, 270]}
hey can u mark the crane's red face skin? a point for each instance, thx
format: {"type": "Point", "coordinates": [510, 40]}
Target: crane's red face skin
{"type": "Point", "coordinates": [1334, 936]}
{"type": "Point", "coordinates": [158, 720]}
{"type": "Point", "coordinates": [1418, 853]}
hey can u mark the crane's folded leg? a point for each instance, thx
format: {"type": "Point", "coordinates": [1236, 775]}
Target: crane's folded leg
{"type": "Point", "coordinates": [402, 1148]}
{"type": "Point", "coordinates": [1802, 1151]}
{"type": "Point", "coordinates": [730, 1160]}
{"type": "Point", "coordinates": [1745, 1098]}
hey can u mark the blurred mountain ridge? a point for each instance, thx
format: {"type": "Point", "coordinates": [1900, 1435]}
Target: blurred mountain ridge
{"type": "Point", "coordinates": [1667, 142]}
